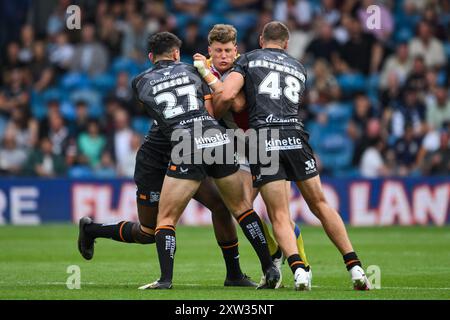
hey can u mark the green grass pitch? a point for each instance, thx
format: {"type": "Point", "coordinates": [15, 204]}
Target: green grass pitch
{"type": "Point", "coordinates": [414, 264]}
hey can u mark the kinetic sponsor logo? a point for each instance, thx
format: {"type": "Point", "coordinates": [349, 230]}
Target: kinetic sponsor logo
{"type": "Point", "coordinates": [214, 146]}
{"type": "Point", "coordinates": [284, 144]}
{"type": "Point", "coordinates": [214, 141]}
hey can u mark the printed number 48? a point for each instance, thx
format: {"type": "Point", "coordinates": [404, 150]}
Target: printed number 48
{"type": "Point", "coordinates": [172, 109]}
{"type": "Point", "coordinates": [271, 86]}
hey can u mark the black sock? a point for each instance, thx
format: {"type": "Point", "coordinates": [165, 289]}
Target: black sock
{"type": "Point", "coordinates": [296, 262]}
{"type": "Point", "coordinates": [121, 231]}
{"type": "Point", "coordinates": [351, 260]}
{"type": "Point", "coordinates": [166, 245]}
{"type": "Point", "coordinates": [252, 227]}
{"type": "Point", "coordinates": [230, 251]}
{"type": "Point", "coordinates": [277, 254]}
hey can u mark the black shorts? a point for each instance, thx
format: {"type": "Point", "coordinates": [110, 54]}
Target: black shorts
{"type": "Point", "coordinates": [292, 157]}
{"type": "Point", "coordinates": [149, 172]}
{"type": "Point", "coordinates": [207, 156]}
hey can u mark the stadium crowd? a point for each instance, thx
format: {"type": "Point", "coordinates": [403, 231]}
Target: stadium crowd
{"type": "Point", "coordinates": [377, 102]}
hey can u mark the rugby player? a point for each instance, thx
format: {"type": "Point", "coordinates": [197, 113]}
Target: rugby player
{"type": "Point", "coordinates": [274, 83]}
{"type": "Point", "coordinates": [175, 95]}
{"type": "Point", "coordinates": [222, 40]}
{"type": "Point", "coordinates": [151, 165]}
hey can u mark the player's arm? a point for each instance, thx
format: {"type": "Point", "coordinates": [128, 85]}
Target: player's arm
{"type": "Point", "coordinates": [238, 102]}
{"type": "Point", "coordinates": [209, 105]}
{"type": "Point", "coordinates": [230, 96]}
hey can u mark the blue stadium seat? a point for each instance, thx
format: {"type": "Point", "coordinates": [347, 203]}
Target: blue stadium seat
{"type": "Point", "coordinates": [125, 64]}
{"type": "Point", "coordinates": [352, 82]}
{"type": "Point", "coordinates": [38, 107]}
{"type": "Point", "coordinates": [74, 80]}
{"type": "Point", "coordinates": [103, 82]}
{"type": "Point", "coordinates": [92, 98]}
{"type": "Point", "coordinates": [79, 172]}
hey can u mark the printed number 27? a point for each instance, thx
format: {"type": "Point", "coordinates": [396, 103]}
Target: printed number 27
{"type": "Point", "coordinates": [172, 109]}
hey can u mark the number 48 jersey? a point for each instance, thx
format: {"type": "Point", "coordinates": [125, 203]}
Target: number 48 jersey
{"type": "Point", "coordinates": [274, 87]}
{"type": "Point", "coordinates": [174, 94]}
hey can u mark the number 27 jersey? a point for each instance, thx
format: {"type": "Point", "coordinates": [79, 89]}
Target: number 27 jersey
{"type": "Point", "coordinates": [274, 87]}
{"type": "Point", "coordinates": [173, 94]}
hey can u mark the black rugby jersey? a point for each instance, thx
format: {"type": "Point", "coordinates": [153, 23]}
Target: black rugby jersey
{"type": "Point", "coordinates": [173, 94]}
{"type": "Point", "coordinates": [274, 87]}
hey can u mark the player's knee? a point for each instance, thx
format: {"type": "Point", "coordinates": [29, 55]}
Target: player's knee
{"type": "Point", "coordinates": [143, 235]}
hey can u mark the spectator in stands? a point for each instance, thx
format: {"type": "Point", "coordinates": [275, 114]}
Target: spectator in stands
{"type": "Point", "coordinates": [250, 42]}
{"type": "Point", "coordinates": [90, 55]}
{"type": "Point", "coordinates": [53, 108]}
{"type": "Point", "coordinates": [329, 12]}
{"type": "Point", "coordinates": [58, 134]}
{"type": "Point", "coordinates": [11, 60]}
{"type": "Point", "coordinates": [191, 8]}
{"type": "Point", "coordinates": [426, 45]}
{"type": "Point", "coordinates": [323, 81]}
{"type": "Point", "coordinates": [438, 110]}
{"type": "Point", "coordinates": [193, 41]}
{"type": "Point", "coordinates": [406, 150]}
{"type": "Point", "coordinates": [43, 162]}
{"type": "Point", "coordinates": [399, 63]}
{"type": "Point", "coordinates": [24, 129]}
{"type": "Point", "coordinates": [125, 168]}
{"type": "Point", "coordinates": [122, 136]}
{"type": "Point", "coordinates": [91, 143]}
{"type": "Point", "coordinates": [42, 73]}
{"type": "Point", "coordinates": [417, 79]}
{"type": "Point", "coordinates": [80, 123]}
{"type": "Point", "coordinates": [134, 43]}
{"type": "Point", "coordinates": [14, 94]}
{"type": "Point", "coordinates": [110, 35]}
{"type": "Point", "coordinates": [124, 94]}
{"type": "Point", "coordinates": [323, 46]}
{"type": "Point", "coordinates": [362, 53]}
{"type": "Point", "coordinates": [372, 164]}
{"type": "Point", "coordinates": [390, 96]}
{"type": "Point", "coordinates": [12, 157]}
{"type": "Point", "coordinates": [300, 10]}
{"type": "Point", "coordinates": [57, 20]}
{"type": "Point", "coordinates": [358, 126]}
{"type": "Point", "coordinates": [438, 162]}
{"type": "Point", "coordinates": [106, 168]}
{"type": "Point", "coordinates": [431, 16]}
{"type": "Point", "coordinates": [62, 52]}
{"type": "Point", "coordinates": [410, 111]}
{"type": "Point", "coordinates": [26, 52]}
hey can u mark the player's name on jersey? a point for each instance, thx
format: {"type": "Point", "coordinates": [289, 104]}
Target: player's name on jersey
{"type": "Point", "coordinates": [277, 67]}
{"type": "Point", "coordinates": [171, 83]}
